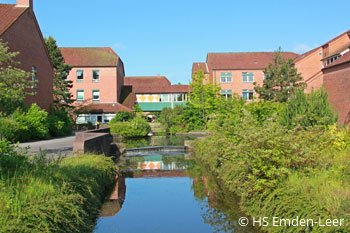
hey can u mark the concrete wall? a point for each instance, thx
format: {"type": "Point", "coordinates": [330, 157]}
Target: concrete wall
{"type": "Point", "coordinates": [337, 84]}
{"type": "Point", "coordinates": [97, 141]}
{"type": "Point", "coordinates": [25, 37]}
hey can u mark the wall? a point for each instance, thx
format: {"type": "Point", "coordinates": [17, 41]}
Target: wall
{"type": "Point", "coordinates": [237, 85]}
{"type": "Point", "coordinates": [25, 37]}
{"type": "Point", "coordinates": [95, 141]}
{"type": "Point", "coordinates": [107, 83]}
{"type": "Point", "coordinates": [337, 84]}
{"type": "Point", "coordinates": [310, 69]}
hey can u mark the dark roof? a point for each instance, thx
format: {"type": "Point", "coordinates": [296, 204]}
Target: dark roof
{"type": "Point", "coordinates": [243, 60]}
{"type": "Point", "coordinates": [343, 59]}
{"type": "Point", "coordinates": [197, 66]}
{"type": "Point", "coordinates": [90, 57]}
{"type": "Point", "coordinates": [104, 108]}
{"type": "Point", "coordinates": [153, 84]}
{"type": "Point", "coordinates": [9, 13]}
{"type": "Point", "coordinates": [142, 83]}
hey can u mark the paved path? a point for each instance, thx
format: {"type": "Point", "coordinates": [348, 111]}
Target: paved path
{"type": "Point", "coordinates": [58, 146]}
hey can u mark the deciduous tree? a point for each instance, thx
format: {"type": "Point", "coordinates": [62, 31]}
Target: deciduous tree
{"type": "Point", "coordinates": [14, 82]}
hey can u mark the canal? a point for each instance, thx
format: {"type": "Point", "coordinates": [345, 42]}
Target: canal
{"type": "Point", "coordinates": [167, 191]}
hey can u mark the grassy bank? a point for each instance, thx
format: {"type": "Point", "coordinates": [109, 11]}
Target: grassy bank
{"type": "Point", "coordinates": [60, 196]}
{"type": "Point", "coordinates": [283, 173]}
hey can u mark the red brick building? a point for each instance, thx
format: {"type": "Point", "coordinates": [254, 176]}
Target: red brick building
{"type": "Point", "coordinates": [311, 63]}
{"type": "Point", "coordinates": [336, 80]}
{"type": "Point", "coordinates": [98, 78]}
{"type": "Point", "coordinates": [236, 73]}
{"type": "Point", "coordinates": [20, 30]}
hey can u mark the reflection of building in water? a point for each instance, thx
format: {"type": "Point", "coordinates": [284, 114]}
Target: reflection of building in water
{"type": "Point", "coordinates": [161, 162]}
{"type": "Point", "coordinates": [116, 200]}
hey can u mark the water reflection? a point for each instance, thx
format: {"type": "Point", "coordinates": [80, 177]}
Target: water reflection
{"type": "Point", "coordinates": [116, 200]}
{"type": "Point", "coordinates": [222, 209]}
{"type": "Point", "coordinates": [154, 141]}
{"type": "Point", "coordinates": [190, 197]}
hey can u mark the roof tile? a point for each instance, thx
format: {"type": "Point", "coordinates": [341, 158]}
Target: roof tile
{"type": "Point", "coordinates": [9, 13]}
{"type": "Point", "coordinates": [243, 60]}
{"type": "Point", "coordinates": [90, 57]}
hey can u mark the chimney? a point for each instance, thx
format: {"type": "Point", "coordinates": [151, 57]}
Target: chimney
{"type": "Point", "coordinates": [25, 3]}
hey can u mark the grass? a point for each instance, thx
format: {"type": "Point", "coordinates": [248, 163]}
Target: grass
{"type": "Point", "coordinates": [52, 196]}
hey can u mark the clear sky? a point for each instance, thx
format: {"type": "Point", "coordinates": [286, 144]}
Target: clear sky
{"type": "Point", "coordinates": [166, 36]}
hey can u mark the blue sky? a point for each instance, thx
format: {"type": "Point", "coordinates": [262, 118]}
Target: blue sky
{"type": "Point", "coordinates": [166, 36]}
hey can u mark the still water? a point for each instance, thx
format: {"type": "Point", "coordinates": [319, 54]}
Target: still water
{"type": "Point", "coordinates": [162, 193]}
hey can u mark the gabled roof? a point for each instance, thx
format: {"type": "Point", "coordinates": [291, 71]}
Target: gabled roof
{"type": "Point", "coordinates": [197, 66]}
{"type": "Point", "coordinates": [243, 60]}
{"type": "Point", "coordinates": [90, 57]}
{"type": "Point", "coordinates": [153, 85]}
{"type": "Point", "coordinates": [9, 13]}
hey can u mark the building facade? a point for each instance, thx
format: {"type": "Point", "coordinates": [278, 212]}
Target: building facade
{"type": "Point", "coordinates": [311, 63]}
{"type": "Point", "coordinates": [336, 80]}
{"type": "Point", "coordinates": [97, 77]}
{"type": "Point", "coordinates": [236, 73]}
{"type": "Point", "coordinates": [20, 30]}
{"type": "Point", "coordinates": [153, 93]}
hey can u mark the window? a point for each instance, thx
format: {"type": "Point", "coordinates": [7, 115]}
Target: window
{"type": "Point", "coordinates": [95, 76]}
{"type": "Point", "coordinates": [34, 78]}
{"type": "Point", "coordinates": [226, 93]}
{"type": "Point", "coordinates": [164, 98]}
{"type": "Point", "coordinates": [95, 95]}
{"type": "Point", "coordinates": [226, 77]}
{"type": "Point", "coordinates": [80, 95]}
{"type": "Point", "coordinates": [179, 97]}
{"type": "Point", "coordinates": [247, 94]}
{"type": "Point", "coordinates": [248, 77]}
{"type": "Point", "coordinates": [80, 75]}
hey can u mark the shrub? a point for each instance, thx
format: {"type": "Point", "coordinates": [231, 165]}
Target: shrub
{"type": "Point", "coordinates": [59, 123]}
{"type": "Point", "coordinates": [137, 127]}
{"type": "Point", "coordinates": [172, 120]}
{"type": "Point", "coordinates": [304, 110]}
{"type": "Point", "coordinates": [123, 116]}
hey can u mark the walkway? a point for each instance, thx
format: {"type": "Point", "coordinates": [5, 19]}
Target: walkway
{"type": "Point", "coordinates": [57, 146]}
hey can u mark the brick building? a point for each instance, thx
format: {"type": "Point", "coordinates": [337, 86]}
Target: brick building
{"type": "Point", "coordinates": [98, 78]}
{"type": "Point", "coordinates": [311, 63]}
{"type": "Point", "coordinates": [153, 93]}
{"type": "Point", "coordinates": [236, 73]}
{"type": "Point", "coordinates": [20, 30]}
{"type": "Point", "coordinates": [336, 80]}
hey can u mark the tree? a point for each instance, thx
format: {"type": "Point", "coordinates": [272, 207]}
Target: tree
{"type": "Point", "coordinates": [14, 82]}
{"type": "Point", "coordinates": [61, 86]}
{"type": "Point", "coordinates": [281, 79]}
{"type": "Point", "coordinates": [204, 99]}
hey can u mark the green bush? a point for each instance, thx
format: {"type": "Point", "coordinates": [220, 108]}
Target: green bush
{"type": "Point", "coordinates": [123, 116]}
{"type": "Point", "coordinates": [59, 123]}
{"type": "Point", "coordinates": [308, 110]}
{"type": "Point", "coordinates": [172, 120]}
{"type": "Point", "coordinates": [137, 127]}
{"type": "Point", "coordinates": [59, 196]}
{"type": "Point", "coordinates": [281, 172]}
